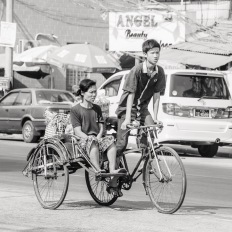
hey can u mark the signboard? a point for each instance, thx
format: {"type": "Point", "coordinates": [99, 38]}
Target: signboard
{"type": "Point", "coordinates": [128, 30]}
{"type": "Point", "coordinates": [4, 83]}
{"type": "Point", "coordinates": [7, 34]}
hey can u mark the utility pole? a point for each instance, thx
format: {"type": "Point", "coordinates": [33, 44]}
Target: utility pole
{"type": "Point", "coordinates": [230, 10]}
{"type": "Point", "coordinates": [9, 50]}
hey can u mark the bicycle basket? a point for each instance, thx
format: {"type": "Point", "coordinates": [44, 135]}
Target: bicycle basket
{"type": "Point", "coordinates": [56, 123]}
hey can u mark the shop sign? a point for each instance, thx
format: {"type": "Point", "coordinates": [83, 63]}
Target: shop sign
{"type": "Point", "coordinates": [7, 34]}
{"type": "Point", "coordinates": [4, 83]}
{"type": "Point", "coordinates": [128, 30]}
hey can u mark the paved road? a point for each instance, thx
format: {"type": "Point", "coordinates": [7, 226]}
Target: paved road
{"type": "Point", "coordinates": [207, 207]}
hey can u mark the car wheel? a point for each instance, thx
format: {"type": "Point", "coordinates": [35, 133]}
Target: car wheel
{"type": "Point", "coordinates": [208, 150]}
{"type": "Point", "coordinates": [29, 133]}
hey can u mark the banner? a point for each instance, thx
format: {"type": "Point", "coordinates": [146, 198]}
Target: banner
{"type": "Point", "coordinates": [7, 34]}
{"type": "Point", "coordinates": [128, 30]}
{"type": "Point", "coordinates": [4, 84]}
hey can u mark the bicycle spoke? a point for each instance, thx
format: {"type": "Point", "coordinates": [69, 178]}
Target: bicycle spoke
{"type": "Point", "coordinates": [50, 180]}
{"type": "Point", "coordinates": [97, 189]}
{"type": "Point", "coordinates": [166, 184]}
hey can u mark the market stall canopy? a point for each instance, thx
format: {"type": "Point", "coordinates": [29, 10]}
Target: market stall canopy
{"type": "Point", "coordinates": [84, 57]}
{"type": "Point", "coordinates": [205, 45]}
{"type": "Point", "coordinates": [44, 68]}
{"type": "Point", "coordinates": [23, 67]}
{"type": "Point", "coordinates": [211, 61]}
{"type": "Point", "coordinates": [34, 56]}
{"type": "Point", "coordinates": [33, 60]}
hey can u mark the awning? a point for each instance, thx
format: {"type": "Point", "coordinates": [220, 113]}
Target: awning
{"type": "Point", "coordinates": [195, 58]}
{"type": "Point", "coordinates": [205, 46]}
{"type": "Point", "coordinates": [24, 67]}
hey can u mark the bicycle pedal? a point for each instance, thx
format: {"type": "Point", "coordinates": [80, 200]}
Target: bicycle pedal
{"type": "Point", "coordinates": [98, 177]}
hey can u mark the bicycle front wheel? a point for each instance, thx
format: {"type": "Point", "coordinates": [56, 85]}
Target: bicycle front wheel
{"type": "Point", "coordinates": [50, 176]}
{"type": "Point", "coordinates": [165, 180]}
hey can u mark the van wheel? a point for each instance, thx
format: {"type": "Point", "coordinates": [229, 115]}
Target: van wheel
{"type": "Point", "coordinates": [208, 150]}
{"type": "Point", "coordinates": [29, 133]}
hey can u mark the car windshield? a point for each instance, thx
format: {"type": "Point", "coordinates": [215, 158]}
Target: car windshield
{"type": "Point", "coordinates": [196, 86]}
{"type": "Point", "coordinates": [48, 96]}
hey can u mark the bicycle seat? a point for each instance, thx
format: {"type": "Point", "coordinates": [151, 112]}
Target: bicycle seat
{"type": "Point", "coordinates": [112, 123]}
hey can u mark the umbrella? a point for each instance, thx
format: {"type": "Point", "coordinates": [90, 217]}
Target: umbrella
{"type": "Point", "coordinates": [34, 56]}
{"type": "Point", "coordinates": [20, 67]}
{"type": "Point", "coordinates": [33, 60]}
{"type": "Point", "coordinates": [84, 57]}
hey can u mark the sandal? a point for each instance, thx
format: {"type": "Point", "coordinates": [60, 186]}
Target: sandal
{"type": "Point", "coordinates": [113, 181]}
{"type": "Point", "coordinates": [115, 191]}
{"type": "Point", "coordinates": [98, 176]}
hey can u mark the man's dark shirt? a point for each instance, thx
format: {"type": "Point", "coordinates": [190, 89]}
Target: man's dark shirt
{"type": "Point", "coordinates": [143, 86]}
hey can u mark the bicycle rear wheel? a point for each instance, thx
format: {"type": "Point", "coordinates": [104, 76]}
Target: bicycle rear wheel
{"type": "Point", "coordinates": [51, 183]}
{"type": "Point", "coordinates": [166, 190]}
{"type": "Point", "coordinates": [97, 189]}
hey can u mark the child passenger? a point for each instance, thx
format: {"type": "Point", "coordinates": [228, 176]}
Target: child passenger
{"type": "Point", "coordinates": [87, 121]}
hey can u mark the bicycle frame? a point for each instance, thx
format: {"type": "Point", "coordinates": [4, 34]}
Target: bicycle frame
{"type": "Point", "coordinates": [154, 148]}
{"type": "Point", "coordinates": [83, 156]}
{"type": "Point", "coordinates": [151, 132]}
{"type": "Point", "coordinates": [51, 162]}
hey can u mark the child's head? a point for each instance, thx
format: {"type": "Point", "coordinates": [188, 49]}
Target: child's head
{"type": "Point", "coordinates": [151, 49]}
{"type": "Point", "coordinates": [150, 44]}
{"type": "Point", "coordinates": [87, 90]}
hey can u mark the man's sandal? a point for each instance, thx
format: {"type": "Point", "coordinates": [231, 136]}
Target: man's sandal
{"type": "Point", "coordinates": [98, 174]}
{"type": "Point", "coordinates": [115, 191]}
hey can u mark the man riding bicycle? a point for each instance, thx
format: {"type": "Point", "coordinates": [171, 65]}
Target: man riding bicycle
{"type": "Point", "coordinates": [145, 80]}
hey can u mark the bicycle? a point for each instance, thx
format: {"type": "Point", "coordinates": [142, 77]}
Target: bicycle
{"type": "Point", "coordinates": [51, 162]}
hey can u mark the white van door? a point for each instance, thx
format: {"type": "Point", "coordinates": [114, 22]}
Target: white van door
{"type": "Point", "coordinates": [113, 91]}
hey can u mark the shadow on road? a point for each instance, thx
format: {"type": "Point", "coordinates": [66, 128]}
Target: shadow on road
{"type": "Point", "coordinates": [143, 205]}
{"type": "Point", "coordinates": [201, 210]}
{"type": "Point", "coordinates": [119, 206]}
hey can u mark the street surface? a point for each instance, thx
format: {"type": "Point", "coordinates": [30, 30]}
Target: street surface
{"type": "Point", "coordinates": [207, 206]}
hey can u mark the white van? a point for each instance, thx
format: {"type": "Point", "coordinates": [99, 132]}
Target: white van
{"type": "Point", "coordinates": [195, 108]}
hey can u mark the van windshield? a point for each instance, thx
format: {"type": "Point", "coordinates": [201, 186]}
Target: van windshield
{"type": "Point", "coordinates": [196, 86]}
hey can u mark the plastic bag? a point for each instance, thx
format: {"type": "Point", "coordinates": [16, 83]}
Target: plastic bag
{"type": "Point", "coordinates": [104, 103]}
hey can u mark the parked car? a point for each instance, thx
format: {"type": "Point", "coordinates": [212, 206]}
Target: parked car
{"type": "Point", "coordinates": [195, 108]}
{"type": "Point", "coordinates": [22, 110]}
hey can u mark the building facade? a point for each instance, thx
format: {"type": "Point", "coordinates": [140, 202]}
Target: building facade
{"type": "Point", "coordinates": [79, 21]}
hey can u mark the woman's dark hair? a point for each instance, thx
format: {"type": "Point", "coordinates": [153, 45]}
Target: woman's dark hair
{"type": "Point", "coordinates": [84, 86]}
{"type": "Point", "coordinates": [149, 44]}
